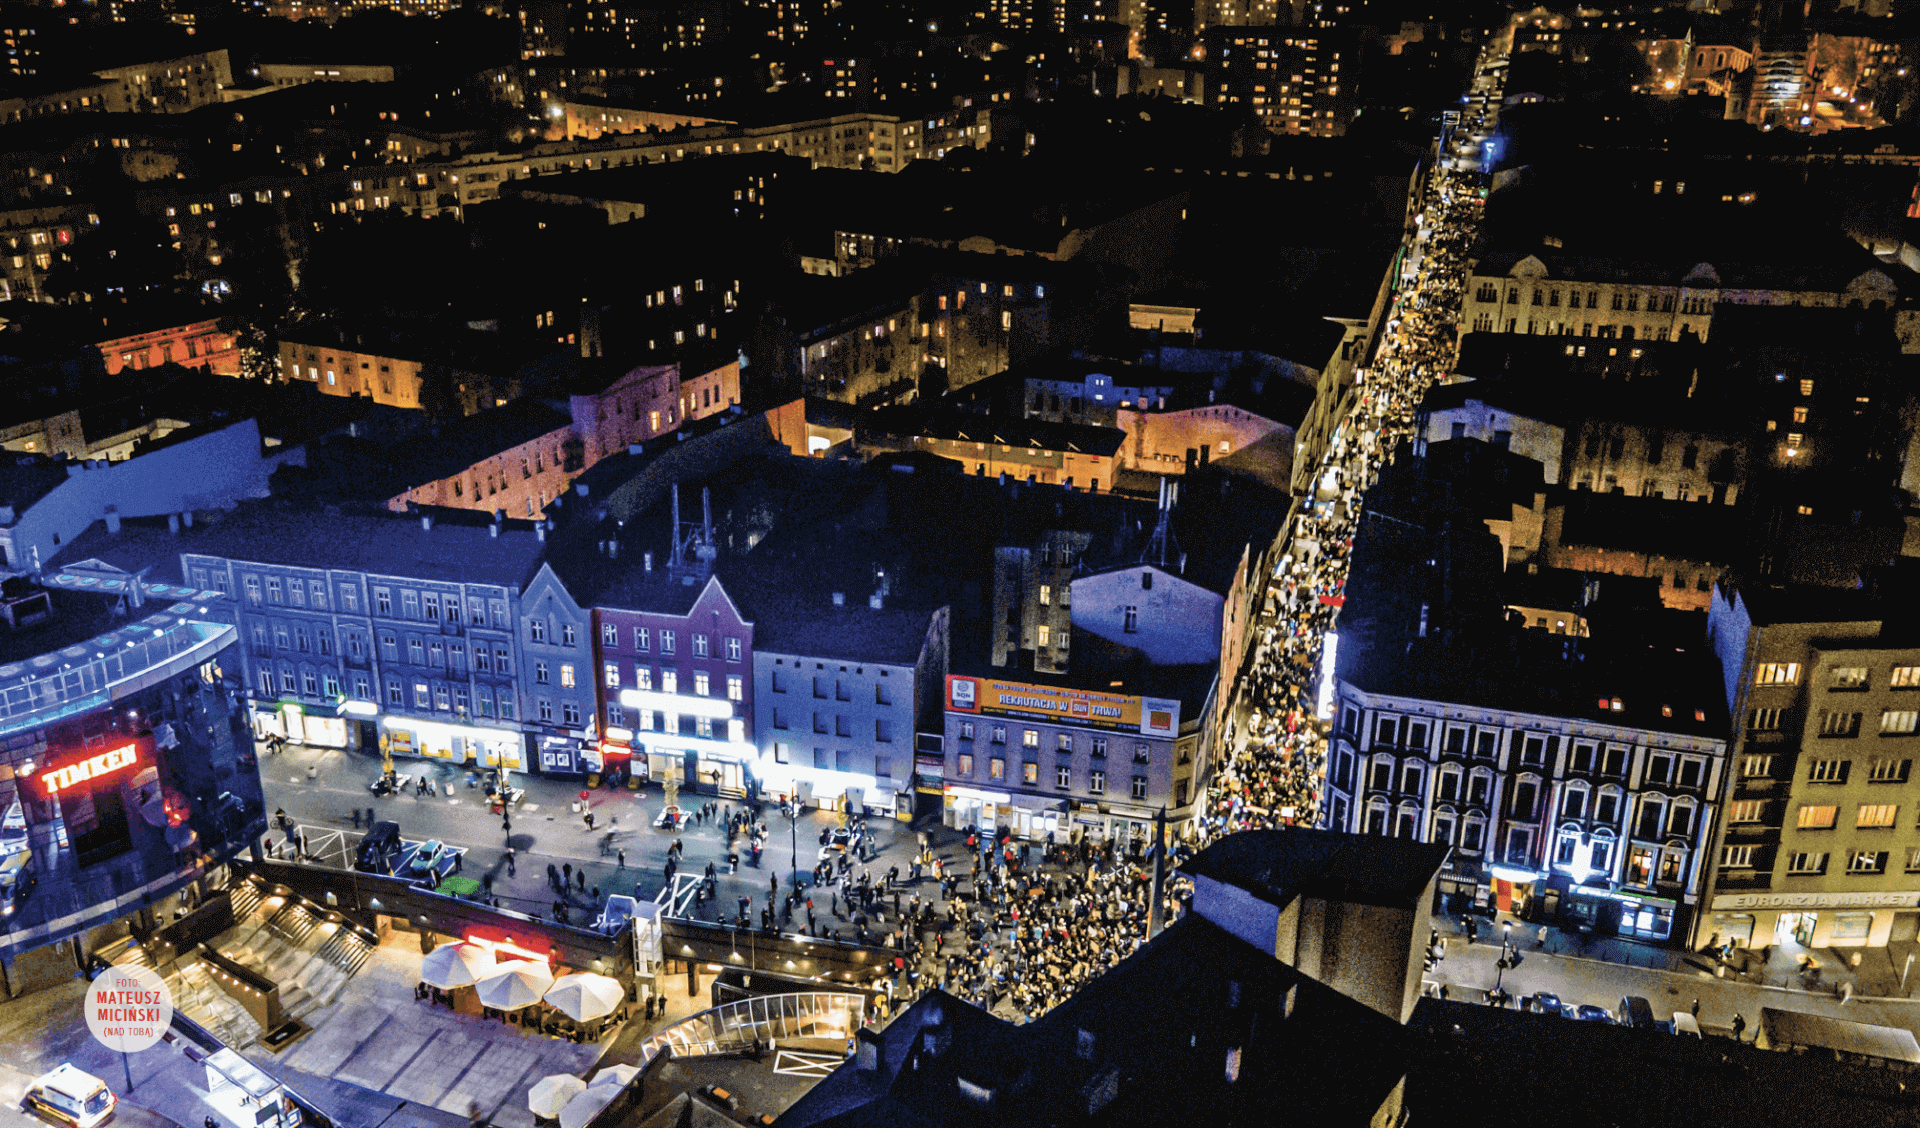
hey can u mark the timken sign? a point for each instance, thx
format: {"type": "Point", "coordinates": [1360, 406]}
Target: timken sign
{"type": "Point", "coordinates": [1150, 716]}
{"type": "Point", "coordinates": [93, 767]}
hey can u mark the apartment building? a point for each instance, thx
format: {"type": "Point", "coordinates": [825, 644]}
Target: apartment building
{"type": "Point", "coordinates": [1821, 843]}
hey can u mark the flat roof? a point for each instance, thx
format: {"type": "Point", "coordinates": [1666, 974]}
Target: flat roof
{"type": "Point", "coordinates": [1279, 865]}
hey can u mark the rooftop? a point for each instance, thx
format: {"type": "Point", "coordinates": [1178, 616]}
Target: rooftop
{"type": "Point", "coordinates": [1237, 1037]}
{"type": "Point", "coordinates": [1279, 865]}
{"type": "Point", "coordinates": [964, 426]}
{"type": "Point", "coordinates": [457, 549]}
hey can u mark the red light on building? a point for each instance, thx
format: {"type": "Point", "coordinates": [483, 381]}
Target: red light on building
{"type": "Point", "coordinates": [92, 767]}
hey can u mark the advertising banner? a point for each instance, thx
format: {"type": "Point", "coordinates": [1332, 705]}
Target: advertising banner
{"type": "Point", "coordinates": [1150, 716]}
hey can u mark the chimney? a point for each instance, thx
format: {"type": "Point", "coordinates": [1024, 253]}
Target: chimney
{"type": "Point", "coordinates": [113, 520]}
{"type": "Point", "coordinates": [580, 488]}
{"type": "Point", "coordinates": [613, 550]}
{"type": "Point", "coordinates": [540, 531]}
{"type": "Point", "coordinates": [646, 561]}
{"type": "Point", "coordinates": [876, 601]}
{"type": "Point", "coordinates": [7, 515]}
{"type": "Point", "coordinates": [1033, 479]}
{"type": "Point", "coordinates": [673, 557]}
{"type": "Point", "coordinates": [1003, 477]}
{"type": "Point", "coordinates": [493, 531]}
{"type": "Point", "coordinates": [499, 515]}
{"type": "Point", "coordinates": [186, 518]}
{"type": "Point", "coordinates": [426, 522]}
{"type": "Point", "coordinates": [839, 599]}
{"type": "Point", "coordinates": [706, 516]}
{"type": "Point", "coordinates": [173, 523]}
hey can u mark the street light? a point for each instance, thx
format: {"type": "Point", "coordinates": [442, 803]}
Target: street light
{"type": "Point", "coordinates": [793, 837]}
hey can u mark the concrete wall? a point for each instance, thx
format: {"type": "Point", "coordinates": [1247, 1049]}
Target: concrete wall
{"type": "Point", "coordinates": [207, 471]}
{"type": "Point", "coordinates": [1160, 442]}
{"type": "Point", "coordinates": [1529, 438]}
{"type": "Point", "coordinates": [1176, 622]}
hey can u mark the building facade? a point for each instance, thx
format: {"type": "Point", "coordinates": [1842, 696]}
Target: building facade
{"type": "Point", "coordinates": [1578, 820]}
{"type": "Point", "coordinates": [676, 679]}
{"type": "Point", "coordinates": [1171, 621]}
{"type": "Point", "coordinates": [836, 725]}
{"type": "Point", "coordinates": [416, 652]}
{"type": "Point", "coordinates": [1820, 847]}
{"type": "Point", "coordinates": [120, 778]}
{"type": "Point", "coordinates": [1048, 759]}
{"type": "Point", "coordinates": [1508, 294]}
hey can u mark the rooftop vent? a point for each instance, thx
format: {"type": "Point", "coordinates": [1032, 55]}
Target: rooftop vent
{"type": "Point", "coordinates": [839, 599]}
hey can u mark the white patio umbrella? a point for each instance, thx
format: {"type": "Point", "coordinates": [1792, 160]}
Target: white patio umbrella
{"type": "Point", "coordinates": [586, 1106]}
{"type": "Point", "coordinates": [614, 1077]}
{"type": "Point", "coordinates": [583, 995]}
{"type": "Point", "coordinates": [456, 964]}
{"type": "Point", "coordinates": [551, 1093]}
{"type": "Point", "coordinates": [511, 986]}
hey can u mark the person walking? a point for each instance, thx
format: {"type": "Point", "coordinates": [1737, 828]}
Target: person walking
{"type": "Point", "coordinates": [1696, 1008]}
{"type": "Point", "coordinates": [1739, 1026]}
{"type": "Point", "coordinates": [510, 871]}
{"type": "Point", "coordinates": [566, 874]}
{"type": "Point", "coordinates": [622, 854]}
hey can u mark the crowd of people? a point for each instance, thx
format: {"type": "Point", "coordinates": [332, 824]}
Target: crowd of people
{"type": "Point", "coordinates": [1019, 938]}
{"type": "Point", "coordinates": [1273, 772]}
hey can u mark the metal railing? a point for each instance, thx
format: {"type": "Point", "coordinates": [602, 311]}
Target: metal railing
{"type": "Point", "coordinates": [94, 671]}
{"type": "Point", "coordinates": [747, 1023]}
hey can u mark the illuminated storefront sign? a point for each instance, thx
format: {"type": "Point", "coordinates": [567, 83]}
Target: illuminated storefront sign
{"type": "Point", "coordinates": [93, 767]}
{"type": "Point", "coordinates": [1151, 716]}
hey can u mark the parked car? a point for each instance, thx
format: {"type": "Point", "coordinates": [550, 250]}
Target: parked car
{"type": "Point", "coordinates": [1547, 1003]}
{"type": "Point", "coordinates": [1587, 1012]}
{"type": "Point", "coordinates": [1636, 1012]}
{"type": "Point", "coordinates": [378, 848]}
{"type": "Point", "coordinates": [428, 856]}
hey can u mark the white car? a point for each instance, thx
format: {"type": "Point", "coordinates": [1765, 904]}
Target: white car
{"type": "Point", "coordinates": [70, 1096]}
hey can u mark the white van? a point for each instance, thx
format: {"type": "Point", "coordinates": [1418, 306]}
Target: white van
{"type": "Point", "coordinates": [1685, 1025]}
{"type": "Point", "coordinates": [71, 1097]}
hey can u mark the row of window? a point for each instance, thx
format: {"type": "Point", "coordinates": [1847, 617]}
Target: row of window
{"type": "Point", "coordinates": [653, 720]}
{"type": "Point", "coordinates": [1814, 816]}
{"type": "Point", "coordinates": [670, 681]}
{"type": "Point", "coordinates": [834, 689]}
{"type": "Point", "coordinates": [839, 724]}
{"type": "Point", "coordinates": [1063, 741]}
{"type": "Point", "coordinates": [1532, 751]}
{"type": "Point", "coordinates": [1468, 835]}
{"type": "Point", "coordinates": [1893, 722]}
{"type": "Point", "coordinates": [426, 606]}
{"type": "Point", "coordinates": [1814, 863]}
{"type": "Point", "coordinates": [1062, 775]}
{"type": "Point", "coordinates": [643, 640]}
{"type": "Point", "coordinates": [1839, 678]}
{"type": "Point", "coordinates": [453, 699]}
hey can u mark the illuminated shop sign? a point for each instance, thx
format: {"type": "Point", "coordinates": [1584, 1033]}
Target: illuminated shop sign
{"type": "Point", "coordinates": [93, 767]}
{"type": "Point", "coordinates": [1151, 716]}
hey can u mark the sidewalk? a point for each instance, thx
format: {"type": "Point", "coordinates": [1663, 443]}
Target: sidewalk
{"type": "Point", "coordinates": [1600, 971]}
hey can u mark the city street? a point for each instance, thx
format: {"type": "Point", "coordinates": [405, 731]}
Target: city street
{"type": "Point", "coordinates": [546, 832]}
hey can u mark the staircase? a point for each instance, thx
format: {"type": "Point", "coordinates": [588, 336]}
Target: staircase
{"type": "Point", "coordinates": [245, 897]}
{"type": "Point", "coordinates": [195, 993]}
{"type": "Point", "coordinates": [320, 981]}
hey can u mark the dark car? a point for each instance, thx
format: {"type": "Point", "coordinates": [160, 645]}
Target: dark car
{"type": "Point", "coordinates": [1546, 1003]}
{"type": "Point", "coordinates": [378, 847]}
{"type": "Point", "coordinates": [1587, 1012]}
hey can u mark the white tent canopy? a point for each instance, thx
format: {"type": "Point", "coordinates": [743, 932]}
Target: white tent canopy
{"type": "Point", "coordinates": [614, 1076]}
{"type": "Point", "coordinates": [586, 1106]}
{"type": "Point", "coordinates": [512, 986]}
{"type": "Point", "coordinates": [551, 1093]}
{"type": "Point", "coordinates": [456, 964]}
{"type": "Point", "coordinates": [583, 996]}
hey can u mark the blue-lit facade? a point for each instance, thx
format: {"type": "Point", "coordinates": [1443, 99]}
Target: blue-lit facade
{"type": "Point", "coordinates": [123, 776]}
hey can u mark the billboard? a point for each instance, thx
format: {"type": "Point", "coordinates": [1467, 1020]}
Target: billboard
{"type": "Point", "coordinates": [1149, 716]}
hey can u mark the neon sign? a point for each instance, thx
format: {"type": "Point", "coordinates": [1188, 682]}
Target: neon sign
{"type": "Point", "coordinates": [93, 767]}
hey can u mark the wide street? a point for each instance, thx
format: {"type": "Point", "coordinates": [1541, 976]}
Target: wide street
{"type": "Point", "coordinates": [546, 832]}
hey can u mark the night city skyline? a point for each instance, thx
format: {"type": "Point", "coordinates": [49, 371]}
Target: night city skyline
{"type": "Point", "coordinates": [1317, 563]}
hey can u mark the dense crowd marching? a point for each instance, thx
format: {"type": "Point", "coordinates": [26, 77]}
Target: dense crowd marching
{"type": "Point", "coordinates": [1029, 937]}
{"type": "Point", "coordinates": [1275, 773]}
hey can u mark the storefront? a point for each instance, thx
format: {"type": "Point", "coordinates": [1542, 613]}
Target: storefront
{"type": "Point", "coordinates": [969, 807]}
{"type": "Point", "coordinates": [701, 765]}
{"type": "Point", "coordinates": [462, 744]}
{"type": "Point", "coordinates": [825, 788]}
{"type": "Point", "coordinates": [929, 774]}
{"type": "Point", "coordinates": [1811, 920]}
{"type": "Point", "coordinates": [1034, 817]}
{"type": "Point", "coordinates": [560, 755]}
